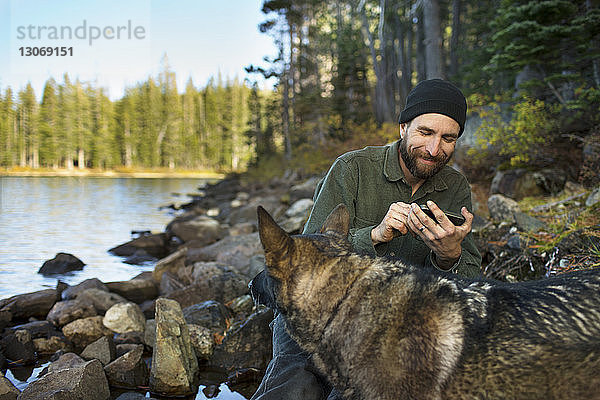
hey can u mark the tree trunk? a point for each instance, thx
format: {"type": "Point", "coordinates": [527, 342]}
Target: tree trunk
{"type": "Point", "coordinates": [420, 58]}
{"type": "Point", "coordinates": [433, 39]}
{"type": "Point", "coordinates": [454, 39]}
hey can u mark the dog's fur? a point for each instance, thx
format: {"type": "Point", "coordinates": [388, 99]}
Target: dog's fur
{"type": "Point", "coordinates": [381, 329]}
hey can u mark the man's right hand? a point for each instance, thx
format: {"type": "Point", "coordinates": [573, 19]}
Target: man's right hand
{"type": "Point", "coordinates": [395, 220]}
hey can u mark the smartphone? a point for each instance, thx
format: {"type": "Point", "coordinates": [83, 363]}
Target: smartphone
{"type": "Point", "coordinates": [456, 219]}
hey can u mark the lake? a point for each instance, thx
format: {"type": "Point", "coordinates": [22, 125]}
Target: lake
{"type": "Point", "coordinates": [84, 216]}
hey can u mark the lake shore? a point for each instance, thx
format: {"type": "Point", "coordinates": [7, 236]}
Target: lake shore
{"type": "Point", "coordinates": [158, 173]}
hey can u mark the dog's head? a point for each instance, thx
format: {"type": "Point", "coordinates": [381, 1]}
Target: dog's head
{"type": "Point", "coordinates": [300, 260]}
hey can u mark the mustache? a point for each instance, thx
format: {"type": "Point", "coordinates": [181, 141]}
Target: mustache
{"type": "Point", "coordinates": [424, 155]}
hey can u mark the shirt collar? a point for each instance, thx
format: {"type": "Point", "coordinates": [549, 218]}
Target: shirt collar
{"type": "Point", "coordinates": [393, 172]}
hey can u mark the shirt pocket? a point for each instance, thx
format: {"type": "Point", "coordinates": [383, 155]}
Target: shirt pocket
{"type": "Point", "coordinates": [363, 222]}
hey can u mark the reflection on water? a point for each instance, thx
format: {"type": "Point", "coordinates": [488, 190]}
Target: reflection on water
{"type": "Point", "coordinates": [84, 216]}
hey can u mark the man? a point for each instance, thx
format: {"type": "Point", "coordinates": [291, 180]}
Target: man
{"type": "Point", "coordinates": [382, 187]}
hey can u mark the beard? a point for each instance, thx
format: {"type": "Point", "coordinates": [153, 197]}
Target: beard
{"type": "Point", "coordinates": [422, 171]}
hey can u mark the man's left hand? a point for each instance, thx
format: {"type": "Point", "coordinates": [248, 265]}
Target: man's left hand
{"type": "Point", "coordinates": [442, 237]}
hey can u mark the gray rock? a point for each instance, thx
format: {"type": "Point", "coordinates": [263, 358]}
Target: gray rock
{"type": "Point", "coordinates": [150, 333]}
{"type": "Point", "coordinates": [136, 290]}
{"type": "Point", "coordinates": [232, 250]}
{"type": "Point", "coordinates": [243, 228]}
{"type": "Point", "coordinates": [133, 396]}
{"type": "Point", "coordinates": [61, 264]}
{"type": "Point", "coordinates": [18, 346]}
{"type": "Point", "coordinates": [51, 345]}
{"type": "Point", "coordinates": [84, 331]}
{"type": "Point", "coordinates": [514, 242]}
{"type": "Point", "coordinates": [170, 283]}
{"type": "Point", "coordinates": [502, 208]}
{"type": "Point", "coordinates": [171, 263]}
{"type": "Point", "coordinates": [248, 346]}
{"type": "Point", "coordinates": [125, 348]}
{"type": "Point", "coordinates": [103, 349]}
{"type": "Point", "coordinates": [124, 317]}
{"type": "Point", "coordinates": [593, 198]}
{"type": "Point", "coordinates": [305, 189]}
{"type": "Point", "coordinates": [527, 223]}
{"type": "Point", "coordinates": [35, 304]}
{"type": "Point", "coordinates": [72, 291]}
{"type": "Point", "coordinates": [550, 180]}
{"type": "Point", "coordinates": [65, 361]}
{"type": "Point", "coordinates": [8, 391]}
{"type": "Point", "coordinates": [129, 370]}
{"type": "Point", "coordinates": [82, 382]}
{"type": "Point", "coordinates": [101, 300]}
{"type": "Point", "coordinates": [516, 184]}
{"type": "Point", "coordinates": [131, 337]}
{"type": "Point", "coordinates": [293, 225]}
{"type": "Point", "coordinates": [174, 364]}
{"type": "Point", "coordinates": [140, 257]}
{"type": "Point", "coordinates": [247, 213]}
{"type": "Point", "coordinates": [202, 341]}
{"type": "Point", "coordinates": [200, 229]}
{"type": "Point", "coordinates": [37, 329]}
{"type": "Point", "coordinates": [154, 244]}
{"type": "Point", "coordinates": [209, 314]}
{"type": "Point", "coordinates": [147, 308]}
{"type": "Point", "coordinates": [300, 208]}
{"type": "Point", "coordinates": [67, 311]}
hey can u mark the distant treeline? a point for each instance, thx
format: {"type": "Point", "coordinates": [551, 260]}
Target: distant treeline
{"type": "Point", "coordinates": [151, 126]}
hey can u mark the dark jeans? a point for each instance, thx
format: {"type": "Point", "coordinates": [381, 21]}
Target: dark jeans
{"type": "Point", "coordinates": [290, 375]}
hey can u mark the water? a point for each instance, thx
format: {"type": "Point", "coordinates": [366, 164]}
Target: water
{"type": "Point", "coordinates": [84, 216]}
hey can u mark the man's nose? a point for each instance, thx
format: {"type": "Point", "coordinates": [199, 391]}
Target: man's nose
{"type": "Point", "coordinates": [433, 146]}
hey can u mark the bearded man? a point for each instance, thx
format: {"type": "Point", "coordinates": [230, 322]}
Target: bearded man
{"type": "Point", "coordinates": [383, 188]}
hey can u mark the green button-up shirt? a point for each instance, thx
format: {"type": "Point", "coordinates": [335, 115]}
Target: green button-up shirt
{"type": "Point", "coordinates": [368, 181]}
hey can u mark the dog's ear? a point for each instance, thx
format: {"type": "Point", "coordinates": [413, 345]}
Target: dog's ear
{"type": "Point", "coordinates": [338, 221]}
{"type": "Point", "coordinates": [275, 241]}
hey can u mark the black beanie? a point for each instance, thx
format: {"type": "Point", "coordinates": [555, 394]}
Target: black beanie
{"type": "Point", "coordinates": [435, 96]}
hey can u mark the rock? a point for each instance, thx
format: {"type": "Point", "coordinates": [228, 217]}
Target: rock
{"type": "Point", "coordinates": [67, 311]}
{"type": "Point", "coordinates": [256, 266]}
{"type": "Point", "coordinates": [593, 198]}
{"type": "Point", "coordinates": [103, 349]}
{"type": "Point", "coordinates": [72, 291]}
{"type": "Point", "coordinates": [232, 250]}
{"type": "Point", "coordinates": [242, 305]}
{"type": "Point", "coordinates": [243, 228]}
{"type": "Point", "coordinates": [588, 173]}
{"type": "Point", "coordinates": [84, 331]}
{"type": "Point", "coordinates": [131, 337]}
{"type": "Point", "coordinates": [247, 213]}
{"type": "Point", "coordinates": [202, 341]}
{"type": "Point", "coordinates": [528, 223]}
{"type": "Point", "coordinates": [124, 317]}
{"type": "Point", "coordinates": [147, 308]}
{"type": "Point", "coordinates": [140, 257]}
{"type": "Point", "coordinates": [67, 360]}
{"type": "Point", "coordinates": [37, 329]}
{"type": "Point", "coordinates": [51, 345]}
{"type": "Point", "coordinates": [35, 304]}
{"type": "Point", "coordinates": [153, 244]}
{"type": "Point", "coordinates": [300, 208]}
{"type": "Point", "coordinates": [18, 346]}
{"type": "Point", "coordinates": [213, 282]}
{"type": "Point", "coordinates": [150, 333]}
{"type": "Point", "coordinates": [136, 290]}
{"type": "Point", "coordinates": [170, 263]}
{"type": "Point", "coordinates": [169, 283]}
{"type": "Point", "coordinates": [247, 346]}
{"type": "Point", "coordinates": [293, 225]}
{"type": "Point", "coordinates": [516, 184]}
{"type": "Point", "coordinates": [100, 299]}
{"type": "Point", "coordinates": [129, 370]}
{"type": "Point", "coordinates": [133, 396]}
{"type": "Point", "coordinates": [82, 382]}
{"type": "Point", "coordinates": [514, 242]}
{"type": "Point", "coordinates": [502, 208]}
{"type": "Point", "coordinates": [174, 363]}
{"type": "Point", "coordinates": [304, 190]}
{"type": "Point", "coordinates": [3, 362]}
{"type": "Point", "coordinates": [550, 180]}
{"type": "Point", "coordinates": [125, 348]}
{"type": "Point", "coordinates": [201, 229]}
{"type": "Point", "coordinates": [5, 318]}
{"type": "Point", "coordinates": [8, 391]}
{"type": "Point", "coordinates": [209, 314]}
{"type": "Point", "coordinates": [61, 264]}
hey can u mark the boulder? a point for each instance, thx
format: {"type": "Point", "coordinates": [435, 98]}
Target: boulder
{"type": "Point", "coordinates": [72, 291]}
{"type": "Point", "coordinates": [64, 361]}
{"type": "Point", "coordinates": [150, 333]}
{"type": "Point", "coordinates": [593, 198]}
{"type": "Point", "coordinates": [147, 308]}
{"type": "Point", "coordinates": [37, 329]}
{"type": "Point", "coordinates": [209, 314]}
{"type": "Point", "coordinates": [133, 396]}
{"type": "Point", "coordinates": [232, 250]}
{"type": "Point", "coordinates": [5, 318]}
{"type": "Point", "coordinates": [247, 213]}
{"type": "Point", "coordinates": [51, 345]}
{"type": "Point", "coordinates": [85, 381]}
{"type": "Point", "coordinates": [124, 317]}
{"type": "Point", "coordinates": [293, 225]}
{"type": "Point", "coordinates": [300, 208]}
{"type": "Point", "coordinates": [154, 245]}
{"type": "Point", "coordinates": [248, 346]}
{"type": "Point", "coordinates": [528, 223]}
{"type": "Point", "coordinates": [103, 349]}
{"type": "Point", "coordinates": [174, 364]}
{"type": "Point", "coordinates": [140, 257]}
{"type": "Point", "coordinates": [203, 341]}
{"type": "Point", "coordinates": [125, 348]}
{"type": "Point", "coordinates": [243, 228]}
{"type": "Point", "coordinates": [200, 229]}
{"type": "Point", "coordinates": [101, 300]}
{"type": "Point", "coordinates": [8, 391]}
{"type": "Point", "coordinates": [502, 208]}
{"type": "Point", "coordinates": [170, 263]}
{"type": "Point", "coordinates": [242, 305]}
{"type": "Point", "coordinates": [35, 304]}
{"type": "Point", "coordinates": [551, 180]}
{"type": "Point", "coordinates": [129, 370]}
{"type": "Point", "coordinates": [18, 346]}
{"type": "Point", "coordinates": [84, 331]}
{"type": "Point", "coordinates": [305, 189]}
{"type": "Point", "coordinates": [169, 283]}
{"type": "Point", "coordinates": [131, 337]}
{"type": "Point", "coordinates": [67, 311]}
{"type": "Point", "coordinates": [136, 290]}
{"type": "Point", "coordinates": [516, 184]}
{"type": "Point", "coordinates": [61, 264]}
{"type": "Point", "coordinates": [213, 282]}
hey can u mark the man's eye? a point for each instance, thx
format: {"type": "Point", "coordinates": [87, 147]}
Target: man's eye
{"type": "Point", "coordinates": [449, 139]}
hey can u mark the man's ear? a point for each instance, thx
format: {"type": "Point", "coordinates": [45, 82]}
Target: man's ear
{"type": "Point", "coordinates": [338, 221]}
{"type": "Point", "coordinates": [275, 241]}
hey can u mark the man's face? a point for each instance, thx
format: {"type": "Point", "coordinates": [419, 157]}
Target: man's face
{"type": "Point", "coordinates": [428, 143]}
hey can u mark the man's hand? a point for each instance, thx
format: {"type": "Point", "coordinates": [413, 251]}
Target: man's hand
{"type": "Point", "coordinates": [394, 220]}
{"type": "Point", "coordinates": [442, 237]}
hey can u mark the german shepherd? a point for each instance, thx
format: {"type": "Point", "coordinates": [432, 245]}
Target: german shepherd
{"type": "Point", "coordinates": [381, 329]}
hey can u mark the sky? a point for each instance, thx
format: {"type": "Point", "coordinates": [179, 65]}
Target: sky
{"type": "Point", "coordinates": [116, 43]}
